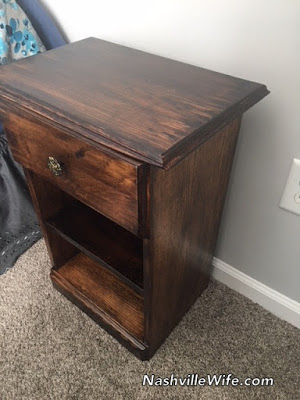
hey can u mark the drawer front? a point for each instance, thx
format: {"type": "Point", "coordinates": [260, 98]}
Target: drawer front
{"type": "Point", "coordinates": [104, 182]}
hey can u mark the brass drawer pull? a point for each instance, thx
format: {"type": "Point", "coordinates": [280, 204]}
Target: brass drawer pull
{"type": "Point", "coordinates": [55, 166]}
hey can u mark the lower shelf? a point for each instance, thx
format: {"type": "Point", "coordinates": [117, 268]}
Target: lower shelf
{"type": "Point", "coordinates": [101, 293]}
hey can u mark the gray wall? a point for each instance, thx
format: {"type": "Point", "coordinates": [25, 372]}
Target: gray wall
{"type": "Point", "coordinates": [253, 39]}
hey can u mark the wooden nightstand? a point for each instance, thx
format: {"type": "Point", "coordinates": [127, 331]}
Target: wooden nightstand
{"type": "Point", "coordinates": [127, 157]}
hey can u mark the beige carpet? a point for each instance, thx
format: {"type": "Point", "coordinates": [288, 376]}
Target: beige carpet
{"type": "Point", "coordinates": [50, 350]}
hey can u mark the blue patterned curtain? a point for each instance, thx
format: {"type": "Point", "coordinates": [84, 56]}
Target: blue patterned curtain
{"type": "Point", "coordinates": [18, 38]}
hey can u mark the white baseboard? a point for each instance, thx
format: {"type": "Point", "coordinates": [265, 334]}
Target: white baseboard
{"type": "Point", "coordinates": [273, 301]}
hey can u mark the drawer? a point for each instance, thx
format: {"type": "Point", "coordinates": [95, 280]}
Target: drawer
{"type": "Point", "coordinates": [113, 186]}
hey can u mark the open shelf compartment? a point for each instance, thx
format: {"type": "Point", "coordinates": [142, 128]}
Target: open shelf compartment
{"type": "Point", "coordinates": [97, 264]}
{"type": "Point", "coordinates": [107, 243]}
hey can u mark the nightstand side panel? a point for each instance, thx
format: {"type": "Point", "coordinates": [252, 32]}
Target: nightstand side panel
{"type": "Point", "coordinates": [186, 207]}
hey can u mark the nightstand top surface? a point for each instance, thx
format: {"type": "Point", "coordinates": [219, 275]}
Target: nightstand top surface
{"type": "Point", "coordinates": [148, 107]}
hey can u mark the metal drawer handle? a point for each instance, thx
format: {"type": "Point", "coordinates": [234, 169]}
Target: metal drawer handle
{"type": "Point", "coordinates": [55, 166]}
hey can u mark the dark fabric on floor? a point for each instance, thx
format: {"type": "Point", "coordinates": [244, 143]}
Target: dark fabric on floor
{"type": "Point", "coordinates": [51, 350]}
{"type": "Point", "coordinates": [19, 228]}
{"type": "Point", "coordinates": [18, 223]}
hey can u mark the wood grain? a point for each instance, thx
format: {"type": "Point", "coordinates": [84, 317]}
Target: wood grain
{"type": "Point", "coordinates": [186, 205]}
{"type": "Point", "coordinates": [104, 182]}
{"type": "Point", "coordinates": [149, 107]}
{"type": "Point", "coordinates": [105, 291]}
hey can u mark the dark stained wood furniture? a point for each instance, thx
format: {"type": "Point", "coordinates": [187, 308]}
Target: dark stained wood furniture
{"type": "Point", "coordinates": [127, 157]}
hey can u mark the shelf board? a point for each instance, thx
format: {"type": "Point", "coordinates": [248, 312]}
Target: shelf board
{"type": "Point", "coordinates": [91, 286]}
{"type": "Point", "coordinates": [104, 241]}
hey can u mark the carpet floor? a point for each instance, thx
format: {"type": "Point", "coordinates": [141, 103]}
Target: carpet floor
{"type": "Point", "coordinates": [51, 350]}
